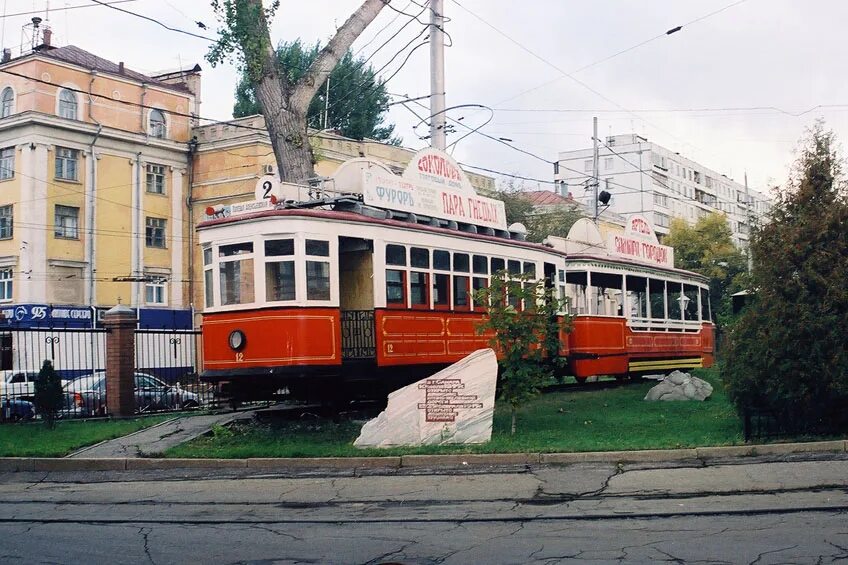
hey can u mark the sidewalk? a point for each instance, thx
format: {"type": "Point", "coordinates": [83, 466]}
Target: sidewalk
{"type": "Point", "coordinates": [156, 439]}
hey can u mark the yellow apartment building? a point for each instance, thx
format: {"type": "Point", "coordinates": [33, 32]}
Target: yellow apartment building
{"type": "Point", "coordinates": [93, 180]}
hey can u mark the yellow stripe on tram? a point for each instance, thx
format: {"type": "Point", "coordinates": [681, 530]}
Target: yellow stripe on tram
{"type": "Point", "coordinates": [691, 363]}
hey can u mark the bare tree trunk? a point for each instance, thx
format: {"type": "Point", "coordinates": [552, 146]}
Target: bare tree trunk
{"type": "Point", "coordinates": [512, 432]}
{"type": "Point", "coordinates": [285, 106]}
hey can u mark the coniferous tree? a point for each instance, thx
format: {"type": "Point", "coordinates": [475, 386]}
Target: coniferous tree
{"type": "Point", "coordinates": [787, 352]}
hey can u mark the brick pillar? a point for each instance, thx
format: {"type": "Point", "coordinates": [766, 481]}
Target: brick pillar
{"type": "Point", "coordinates": [120, 361]}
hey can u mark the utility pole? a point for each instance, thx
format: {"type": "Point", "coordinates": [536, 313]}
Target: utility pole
{"type": "Point", "coordinates": [595, 171]}
{"type": "Point", "coordinates": [437, 75]}
{"type": "Point", "coordinates": [748, 221]}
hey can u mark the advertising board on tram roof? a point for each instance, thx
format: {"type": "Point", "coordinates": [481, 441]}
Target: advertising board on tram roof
{"type": "Point", "coordinates": [639, 242]}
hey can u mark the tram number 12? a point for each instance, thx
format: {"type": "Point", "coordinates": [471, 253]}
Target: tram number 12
{"type": "Point", "coordinates": [239, 357]}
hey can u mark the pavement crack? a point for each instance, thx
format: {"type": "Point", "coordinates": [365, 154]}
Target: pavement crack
{"type": "Point", "coordinates": [764, 553]}
{"type": "Point", "coordinates": [145, 534]}
{"type": "Point", "coordinates": [398, 552]}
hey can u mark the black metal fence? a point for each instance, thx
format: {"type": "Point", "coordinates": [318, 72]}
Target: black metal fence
{"type": "Point", "coordinates": [760, 423]}
{"type": "Point", "coordinates": [358, 334]}
{"type": "Point", "coordinates": [166, 370]}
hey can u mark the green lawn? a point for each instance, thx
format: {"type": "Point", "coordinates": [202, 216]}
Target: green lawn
{"type": "Point", "coordinates": [609, 419]}
{"type": "Point", "coordinates": [33, 439]}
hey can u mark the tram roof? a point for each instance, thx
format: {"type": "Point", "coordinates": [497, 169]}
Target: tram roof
{"type": "Point", "coordinates": [344, 216]}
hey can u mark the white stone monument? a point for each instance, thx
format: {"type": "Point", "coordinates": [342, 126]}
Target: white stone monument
{"type": "Point", "coordinates": [453, 406]}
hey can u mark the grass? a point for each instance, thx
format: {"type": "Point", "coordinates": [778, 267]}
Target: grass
{"type": "Point", "coordinates": [601, 420]}
{"type": "Point", "coordinates": [34, 439]}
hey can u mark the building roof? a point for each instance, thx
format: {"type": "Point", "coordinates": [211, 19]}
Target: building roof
{"type": "Point", "coordinates": [82, 58]}
{"type": "Point", "coordinates": [546, 198]}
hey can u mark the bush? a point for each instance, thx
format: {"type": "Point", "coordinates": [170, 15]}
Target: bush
{"type": "Point", "coordinates": [787, 351]}
{"type": "Point", "coordinates": [48, 393]}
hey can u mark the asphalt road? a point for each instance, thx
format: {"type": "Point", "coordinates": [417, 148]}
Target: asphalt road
{"type": "Point", "coordinates": [746, 511]}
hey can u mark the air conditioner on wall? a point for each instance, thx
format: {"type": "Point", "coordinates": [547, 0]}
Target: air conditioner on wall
{"type": "Point", "coordinates": [268, 169]}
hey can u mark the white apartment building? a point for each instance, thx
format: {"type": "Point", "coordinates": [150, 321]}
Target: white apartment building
{"type": "Point", "coordinates": [646, 178]}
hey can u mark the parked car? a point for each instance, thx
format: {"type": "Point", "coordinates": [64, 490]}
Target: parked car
{"type": "Point", "coordinates": [86, 395]}
{"type": "Point", "coordinates": [16, 410]}
{"type": "Point", "coordinates": [19, 384]}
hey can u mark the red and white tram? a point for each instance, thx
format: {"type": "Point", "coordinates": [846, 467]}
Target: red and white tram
{"type": "Point", "coordinates": [377, 285]}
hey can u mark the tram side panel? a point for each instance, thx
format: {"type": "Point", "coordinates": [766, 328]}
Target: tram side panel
{"type": "Point", "coordinates": [409, 337]}
{"type": "Point", "coordinates": [273, 338]}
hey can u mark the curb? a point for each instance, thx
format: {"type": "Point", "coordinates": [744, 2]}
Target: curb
{"type": "Point", "coordinates": [48, 464]}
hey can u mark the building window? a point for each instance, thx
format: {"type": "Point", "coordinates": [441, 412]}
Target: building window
{"type": "Point", "coordinates": [154, 234]}
{"type": "Point", "coordinates": [67, 161]}
{"type": "Point", "coordinates": [608, 163]}
{"type": "Point", "coordinates": [587, 166]}
{"type": "Point", "coordinates": [67, 104]}
{"type": "Point", "coordinates": [661, 219]}
{"type": "Point", "coordinates": [157, 124]}
{"type": "Point", "coordinates": [6, 221]}
{"type": "Point", "coordinates": [66, 223]}
{"type": "Point", "coordinates": [5, 285]}
{"type": "Point", "coordinates": [154, 291]}
{"type": "Point", "coordinates": [156, 178]}
{"type": "Point", "coordinates": [7, 102]}
{"type": "Point", "coordinates": [661, 199]}
{"type": "Point", "coordinates": [7, 163]}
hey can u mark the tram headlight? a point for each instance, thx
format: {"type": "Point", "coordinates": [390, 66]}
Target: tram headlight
{"type": "Point", "coordinates": [237, 340]}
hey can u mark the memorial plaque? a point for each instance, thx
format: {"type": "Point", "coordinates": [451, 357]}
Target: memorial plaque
{"type": "Point", "coordinates": [455, 405]}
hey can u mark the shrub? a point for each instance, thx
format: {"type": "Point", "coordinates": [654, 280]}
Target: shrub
{"type": "Point", "coordinates": [48, 393]}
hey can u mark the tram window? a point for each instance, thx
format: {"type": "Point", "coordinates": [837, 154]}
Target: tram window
{"type": "Point", "coordinates": [317, 280]}
{"type": "Point", "coordinates": [561, 276]}
{"type": "Point", "coordinates": [575, 290]}
{"type": "Point", "coordinates": [441, 260]}
{"type": "Point", "coordinates": [460, 262]}
{"type": "Point", "coordinates": [675, 298]}
{"type": "Point", "coordinates": [637, 296]}
{"type": "Point", "coordinates": [460, 292]}
{"type": "Point", "coordinates": [279, 280]}
{"type": "Point", "coordinates": [705, 305]}
{"type": "Point", "coordinates": [235, 249]}
{"type": "Point", "coordinates": [208, 277]}
{"type": "Point", "coordinates": [279, 247]}
{"type": "Point", "coordinates": [318, 248]}
{"type": "Point", "coordinates": [605, 293]}
{"type": "Point", "coordinates": [395, 287]}
{"type": "Point", "coordinates": [656, 296]}
{"type": "Point", "coordinates": [513, 267]}
{"type": "Point", "coordinates": [497, 265]}
{"type": "Point", "coordinates": [441, 291]}
{"type": "Point", "coordinates": [480, 264]}
{"type": "Point", "coordinates": [418, 288]}
{"type": "Point", "coordinates": [690, 308]}
{"type": "Point", "coordinates": [396, 255]}
{"type": "Point", "coordinates": [512, 294]}
{"type": "Point", "coordinates": [419, 257]}
{"type": "Point", "coordinates": [530, 269]}
{"type": "Point", "coordinates": [207, 255]}
{"type": "Point", "coordinates": [478, 283]}
{"type": "Point", "coordinates": [236, 279]}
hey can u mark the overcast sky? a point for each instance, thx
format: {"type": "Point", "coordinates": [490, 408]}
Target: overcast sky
{"type": "Point", "coordinates": [693, 91]}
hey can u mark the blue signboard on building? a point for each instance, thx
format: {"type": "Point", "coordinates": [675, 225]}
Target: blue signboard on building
{"type": "Point", "coordinates": [47, 315]}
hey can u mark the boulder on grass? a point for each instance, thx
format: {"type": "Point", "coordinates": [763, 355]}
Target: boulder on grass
{"type": "Point", "coordinates": [680, 386]}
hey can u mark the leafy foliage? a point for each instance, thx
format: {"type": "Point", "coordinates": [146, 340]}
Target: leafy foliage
{"type": "Point", "coordinates": [707, 248]}
{"type": "Point", "coordinates": [527, 338]}
{"type": "Point", "coordinates": [358, 101]}
{"type": "Point", "coordinates": [48, 393]}
{"type": "Point", "coordinates": [237, 40]}
{"type": "Point", "coordinates": [787, 352]}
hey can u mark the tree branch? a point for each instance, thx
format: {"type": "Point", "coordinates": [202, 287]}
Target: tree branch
{"type": "Point", "coordinates": [328, 58]}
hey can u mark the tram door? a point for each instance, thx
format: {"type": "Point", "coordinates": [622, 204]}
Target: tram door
{"type": "Point", "coordinates": [356, 298]}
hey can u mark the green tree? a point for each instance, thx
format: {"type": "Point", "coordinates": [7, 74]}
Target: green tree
{"type": "Point", "coordinates": [358, 101]}
{"type": "Point", "coordinates": [48, 393]}
{"type": "Point", "coordinates": [787, 351]}
{"type": "Point", "coordinates": [527, 339]}
{"type": "Point", "coordinates": [244, 38]}
{"type": "Point", "coordinates": [707, 248]}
